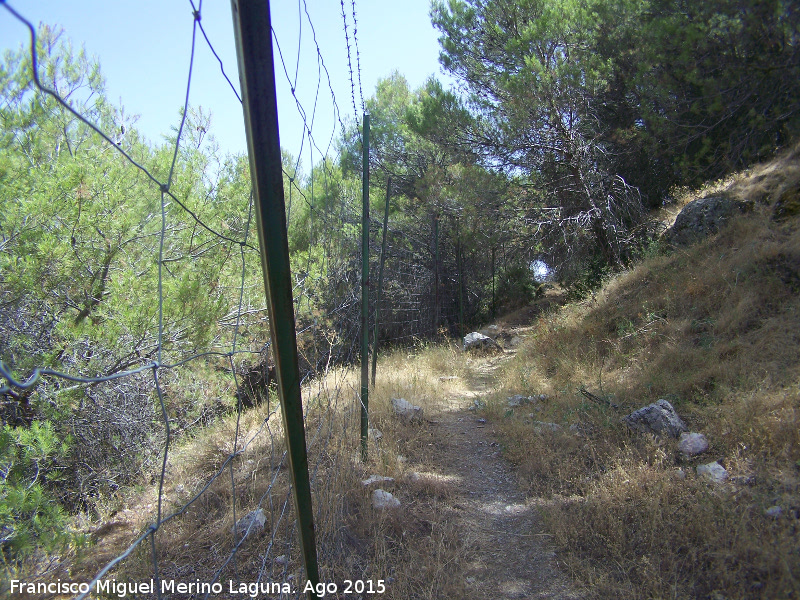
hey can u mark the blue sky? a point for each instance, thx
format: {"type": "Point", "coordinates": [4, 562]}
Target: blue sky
{"type": "Point", "coordinates": [144, 49]}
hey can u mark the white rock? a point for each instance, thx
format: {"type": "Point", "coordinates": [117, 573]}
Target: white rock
{"type": "Point", "coordinates": [774, 512]}
{"type": "Point", "coordinates": [405, 409]}
{"type": "Point", "coordinates": [692, 443]}
{"type": "Point", "coordinates": [376, 479]}
{"type": "Point", "coordinates": [281, 560]}
{"type": "Point", "coordinates": [374, 434]}
{"type": "Point", "coordinates": [478, 341]}
{"type": "Point", "coordinates": [713, 471]}
{"type": "Point", "coordinates": [382, 500]}
{"type": "Point", "coordinates": [252, 522]}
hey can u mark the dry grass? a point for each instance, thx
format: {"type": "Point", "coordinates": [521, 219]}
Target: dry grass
{"type": "Point", "coordinates": [410, 548]}
{"type": "Point", "coordinates": [417, 548]}
{"type": "Point", "coordinates": [715, 329]}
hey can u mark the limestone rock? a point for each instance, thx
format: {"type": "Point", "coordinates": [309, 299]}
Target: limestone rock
{"type": "Point", "coordinates": [405, 409]}
{"type": "Point", "coordinates": [377, 479]}
{"type": "Point", "coordinates": [520, 400]}
{"type": "Point", "coordinates": [374, 434]}
{"type": "Point", "coordinates": [692, 443]}
{"type": "Point", "coordinates": [713, 471]}
{"type": "Point", "coordinates": [382, 500]}
{"type": "Point", "coordinates": [656, 418]}
{"type": "Point", "coordinates": [703, 217]}
{"type": "Point", "coordinates": [478, 342]}
{"type": "Point", "coordinates": [252, 522]}
{"type": "Point", "coordinates": [774, 512]}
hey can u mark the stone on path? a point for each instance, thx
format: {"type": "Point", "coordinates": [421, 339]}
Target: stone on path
{"type": "Point", "coordinates": [713, 471]}
{"type": "Point", "coordinates": [252, 522]}
{"type": "Point", "coordinates": [382, 499]}
{"type": "Point", "coordinates": [656, 418]}
{"type": "Point", "coordinates": [477, 341]}
{"type": "Point", "coordinates": [692, 443]}
{"type": "Point", "coordinates": [405, 409]}
{"type": "Point", "coordinates": [520, 400]}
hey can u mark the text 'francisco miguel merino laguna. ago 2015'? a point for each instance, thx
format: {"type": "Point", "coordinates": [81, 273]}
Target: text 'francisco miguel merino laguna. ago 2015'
{"type": "Point", "coordinates": [126, 589]}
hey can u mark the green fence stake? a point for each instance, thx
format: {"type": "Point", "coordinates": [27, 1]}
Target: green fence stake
{"type": "Point", "coordinates": [380, 283]}
{"type": "Point", "coordinates": [437, 310]}
{"type": "Point", "coordinates": [365, 294]}
{"type": "Point", "coordinates": [460, 263]}
{"type": "Point", "coordinates": [252, 27]}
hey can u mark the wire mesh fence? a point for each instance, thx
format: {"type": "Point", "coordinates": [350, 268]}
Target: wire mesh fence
{"type": "Point", "coordinates": [142, 347]}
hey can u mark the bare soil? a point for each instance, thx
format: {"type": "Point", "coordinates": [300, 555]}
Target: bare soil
{"type": "Point", "coordinates": [511, 555]}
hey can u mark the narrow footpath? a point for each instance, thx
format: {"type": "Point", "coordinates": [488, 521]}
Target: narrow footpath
{"type": "Point", "coordinates": [512, 556]}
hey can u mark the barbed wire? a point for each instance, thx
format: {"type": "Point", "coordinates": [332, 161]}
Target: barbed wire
{"type": "Point", "coordinates": [328, 338]}
{"type": "Point", "coordinates": [358, 57]}
{"type": "Point", "coordinates": [349, 63]}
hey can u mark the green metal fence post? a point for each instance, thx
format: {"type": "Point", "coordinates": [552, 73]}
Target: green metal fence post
{"type": "Point", "coordinates": [494, 299]}
{"type": "Point", "coordinates": [460, 264]}
{"type": "Point", "coordinates": [252, 27]}
{"type": "Point", "coordinates": [380, 283]}
{"type": "Point", "coordinates": [365, 293]}
{"type": "Point", "coordinates": [437, 311]}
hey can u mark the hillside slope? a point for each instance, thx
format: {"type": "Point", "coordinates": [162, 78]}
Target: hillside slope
{"type": "Point", "coordinates": [713, 328]}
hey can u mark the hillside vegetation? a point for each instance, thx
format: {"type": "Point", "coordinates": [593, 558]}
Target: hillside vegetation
{"type": "Point", "coordinates": [714, 329]}
{"type": "Point", "coordinates": [135, 354]}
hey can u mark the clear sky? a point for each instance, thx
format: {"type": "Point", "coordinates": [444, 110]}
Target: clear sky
{"type": "Point", "coordinates": [144, 48]}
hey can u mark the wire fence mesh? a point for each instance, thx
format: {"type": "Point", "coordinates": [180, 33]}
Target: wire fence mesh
{"type": "Point", "coordinates": [159, 332]}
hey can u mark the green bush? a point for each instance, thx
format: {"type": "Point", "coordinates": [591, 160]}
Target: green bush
{"type": "Point", "coordinates": [516, 287]}
{"type": "Point", "coordinates": [30, 518]}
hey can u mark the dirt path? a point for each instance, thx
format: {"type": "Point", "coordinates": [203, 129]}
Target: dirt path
{"type": "Point", "coordinates": [512, 555]}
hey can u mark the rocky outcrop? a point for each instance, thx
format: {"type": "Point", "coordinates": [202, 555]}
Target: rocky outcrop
{"type": "Point", "coordinates": [703, 217]}
{"type": "Point", "coordinates": [658, 418]}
